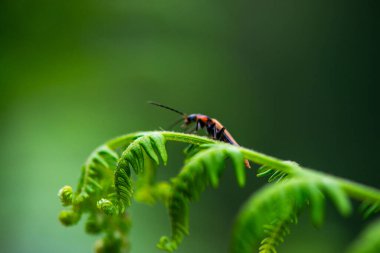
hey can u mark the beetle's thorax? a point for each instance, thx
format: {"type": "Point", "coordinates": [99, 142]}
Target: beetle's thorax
{"type": "Point", "coordinates": [197, 117]}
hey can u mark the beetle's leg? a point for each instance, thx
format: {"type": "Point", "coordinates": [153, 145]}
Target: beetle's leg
{"type": "Point", "coordinates": [198, 126]}
{"type": "Point", "coordinates": [219, 134]}
{"type": "Point", "coordinates": [214, 131]}
{"type": "Point", "coordinates": [211, 129]}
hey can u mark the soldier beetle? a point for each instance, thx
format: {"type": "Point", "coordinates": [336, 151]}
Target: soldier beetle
{"type": "Point", "coordinates": [214, 128]}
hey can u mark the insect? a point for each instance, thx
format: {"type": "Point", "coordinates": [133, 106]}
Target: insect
{"type": "Point", "coordinates": [214, 128]}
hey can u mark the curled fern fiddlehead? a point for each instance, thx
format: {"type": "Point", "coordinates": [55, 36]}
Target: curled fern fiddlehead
{"type": "Point", "coordinates": [96, 181]}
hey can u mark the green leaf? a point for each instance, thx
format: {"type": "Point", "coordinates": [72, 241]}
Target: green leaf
{"type": "Point", "coordinates": [201, 169]}
{"type": "Point", "coordinates": [338, 197]}
{"type": "Point", "coordinates": [316, 205]}
{"type": "Point", "coordinates": [149, 150]}
{"type": "Point", "coordinates": [264, 170]}
{"type": "Point", "coordinates": [133, 157]}
{"type": "Point", "coordinates": [158, 142]}
{"type": "Point", "coordinates": [238, 161]}
{"type": "Point", "coordinates": [214, 164]}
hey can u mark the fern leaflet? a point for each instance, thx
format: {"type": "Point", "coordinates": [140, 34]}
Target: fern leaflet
{"type": "Point", "coordinates": [133, 159]}
{"type": "Point", "coordinates": [277, 202]}
{"type": "Point", "coordinates": [204, 168]}
{"type": "Point", "coordinates": [275, 234]}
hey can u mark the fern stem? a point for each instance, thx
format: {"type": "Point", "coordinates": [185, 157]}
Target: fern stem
{"type": "Point", "coordinates": [257, 157]}
{"type": "Point", "coordinates": [358, 191]}
{"type": "Point", "coordinates": [187, 138]}
{"type": "Point", "coordinates": [355, 190]}
{"type": "Point", "coordinates": [123, 140]}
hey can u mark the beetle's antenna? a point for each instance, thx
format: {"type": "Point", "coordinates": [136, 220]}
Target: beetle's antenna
{"type": "Point", "coordinates": [166, 107]}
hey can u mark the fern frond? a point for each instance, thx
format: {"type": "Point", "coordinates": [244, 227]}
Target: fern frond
{"type": "Point", "coordinates": [264, 171]}
{"type": "Point", "coordinates": [369, 240]}
{"type": "Point", "coordinates": [274, 174]}
{"type": "Point", "coordinates": [96, 181]}
{"type": "Point", "coordinates": [277, 202]}
{"type": "Point", "coordinates": [153, 145]}
{"type": "Point", "coordinates": [202, 169]}
{"type": "Point", "coordinates": [99, 165]}
{"type": "Point", "coordinates": [275, 234]}
{"type": "Point", "coordinates": [65, 194]}
{"type": "Point", "coordinates": [106, 187]}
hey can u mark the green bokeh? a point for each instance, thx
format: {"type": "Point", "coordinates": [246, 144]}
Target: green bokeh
{"type": "Point", "coordinates": [294, 79]}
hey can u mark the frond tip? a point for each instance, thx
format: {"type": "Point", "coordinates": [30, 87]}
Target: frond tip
{"type": "Point", "coordinates": [106, 206]}
{"type": "Point", "coordinates": [65, 194]}
{"type": "Point", "coordinates": [69, 217]}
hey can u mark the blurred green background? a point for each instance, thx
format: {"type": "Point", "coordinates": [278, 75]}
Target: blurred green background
{"type": "Point", "coordinates": [294, 79]}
